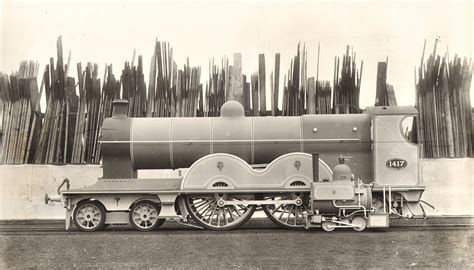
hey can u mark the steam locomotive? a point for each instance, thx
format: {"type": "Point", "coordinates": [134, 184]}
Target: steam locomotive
{"type": "Point", "coordinates": [330, 171]}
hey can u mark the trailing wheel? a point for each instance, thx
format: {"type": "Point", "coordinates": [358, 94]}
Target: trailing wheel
{"type": "Point", "coordinates": [144, 216]}
{"type": "Point", "coordinates": [89, 216]}
{"type": "Point", "coordinates": [289, 216]}
{"type": "Point", "coordinates": [207, 211]}
{"type": "Point", "coordinates": [360, 223]}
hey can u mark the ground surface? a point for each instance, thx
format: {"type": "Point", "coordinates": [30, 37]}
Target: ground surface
{"type": "Point", "coordinates": [259, 245]}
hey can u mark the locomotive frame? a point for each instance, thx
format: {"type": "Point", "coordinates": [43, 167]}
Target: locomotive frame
{"type": "Point", "coordinates": [237, 164]}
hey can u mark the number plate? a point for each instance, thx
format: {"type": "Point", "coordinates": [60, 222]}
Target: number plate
{"type": "Point", "coordinates": [396, 163]}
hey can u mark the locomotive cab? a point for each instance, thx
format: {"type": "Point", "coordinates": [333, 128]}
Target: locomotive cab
{"type": "Point", "coordinates": [397, 178]}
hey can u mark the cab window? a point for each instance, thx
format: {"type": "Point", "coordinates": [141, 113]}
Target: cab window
{"type": "Point", "coordinates": [407, 128]}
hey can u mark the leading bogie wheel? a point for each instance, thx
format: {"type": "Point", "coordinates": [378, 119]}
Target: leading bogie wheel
{"type": "Point", "coordinates": [144, 216]}
{"type": "Point", "coordinates": [206, 211]}
{"type": "Point", "coordinates": [89, 216]}
{"type": "Point", "coordinates": [360, 223]}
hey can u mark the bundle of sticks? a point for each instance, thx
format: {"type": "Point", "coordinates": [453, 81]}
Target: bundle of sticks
{"type": "Point", "coordinates": [323, 97]}
{"type": "Point", "coordinates": [215, 88]}
{"type": "Point", "coordinates": [71, 126]}
{"type": "Point", "coordinates": [94, 105]}
{"type": "Point", "coordinates": [318, 97]}
{"type": "Point", "coordinates": [134, 88]}
{"type": "Point", "coordinates": [54, 145]}
{"type": "Point", "coordinates": [162, 80]}
{"type": "Point", "coordinates": [20, 121]}
{"type": "Point", "coordinates": [294, 93]}
{"type": "Point", "coordinates": [172, 92]}
{"type": "Point", "coordinates": [303, 95]}
{"type": "Point", "coordinates": [69, 129]}
{"type": "Point", "coordinates": [188, 92]}
{"type": "Point", "coordinates": [226, 83]}
{"type": "Point", "coordinates": [255, 94]}
{"type": "Point", "coordinates": [385, 93]}
{"type": "Point", "coordinates": [347, 81]}
{"type": "Point", "coordinates": [443, 99]}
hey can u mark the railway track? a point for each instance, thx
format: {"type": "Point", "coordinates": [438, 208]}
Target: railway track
{"type": "Point", "coordinates": [56, 227]}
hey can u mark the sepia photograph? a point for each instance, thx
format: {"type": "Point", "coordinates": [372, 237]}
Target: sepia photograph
{"type": "Point", "coordinates": [265, 134]}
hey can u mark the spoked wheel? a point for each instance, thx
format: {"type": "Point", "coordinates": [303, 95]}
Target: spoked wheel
{"type": "Point", "coordinates": [328, 226]}
{"type": "Point", "coordinates": [205, 210]}
{"type": "Point", "coordinates": [89, 216]}
{"type": "Point", "coordinates": [360, 223]}
{"type": "Point", "coordinates": [289, 216]}
{"type": "Point", "coordinates": [144, 216]}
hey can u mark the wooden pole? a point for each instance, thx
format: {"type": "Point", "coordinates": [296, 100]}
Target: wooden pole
{"type": "Point", "coordinates": [261, 84]}
{"type": "Point", "coordinates": [276, 86]}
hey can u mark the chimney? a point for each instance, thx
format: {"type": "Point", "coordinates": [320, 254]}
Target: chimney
{"type": "Point", "coordinates": [119, 108]}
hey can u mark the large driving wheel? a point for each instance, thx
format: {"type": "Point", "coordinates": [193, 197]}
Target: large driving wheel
{"type": "Point", "coordinates": [206, 211]}
{"type": "Point", "coordinates": [289, 216]}
{"type": "Point", "coordinates": [144, 216]}
{"type": "Point", "coordinates": [89, 216]}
